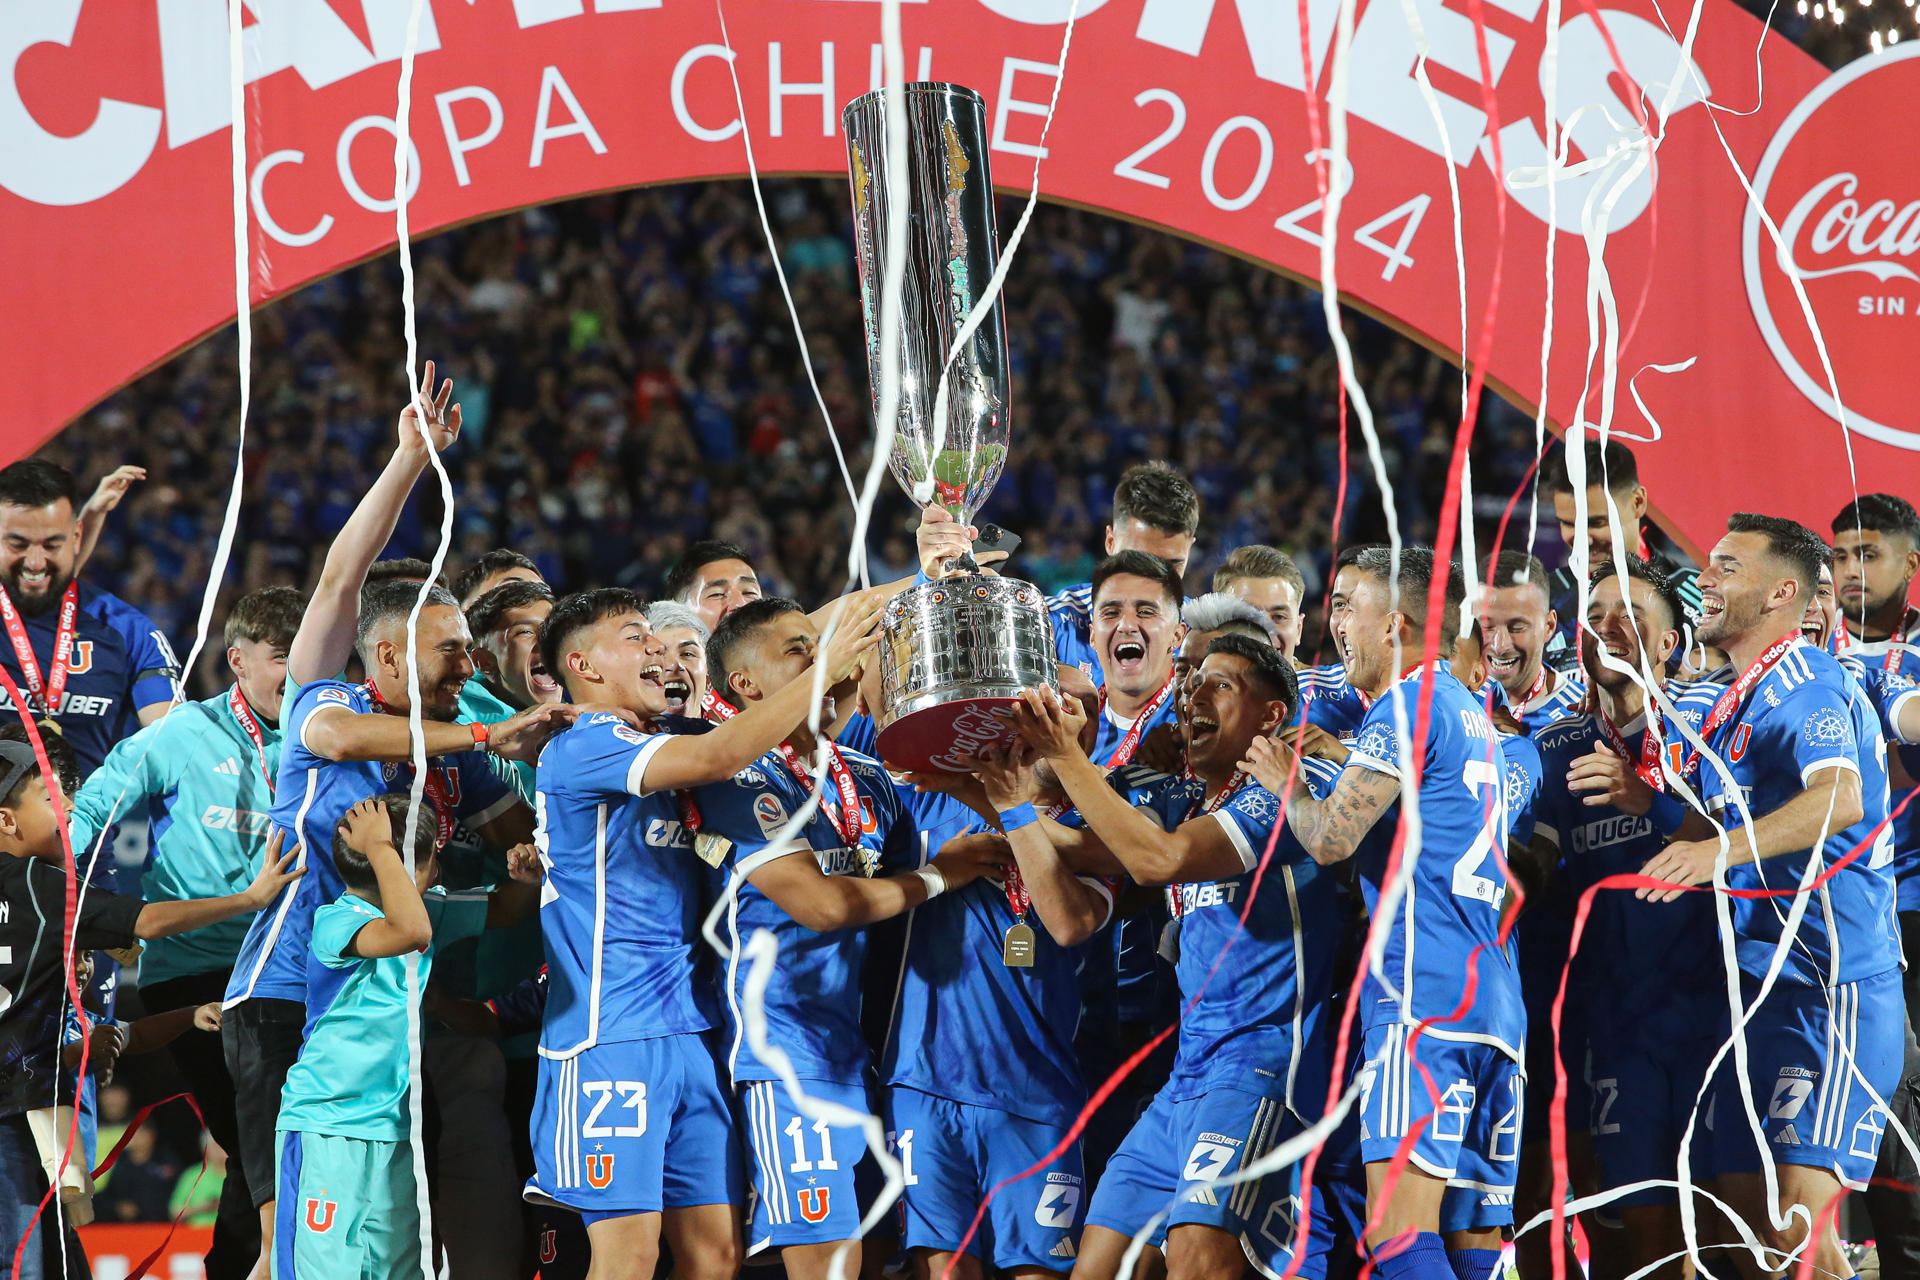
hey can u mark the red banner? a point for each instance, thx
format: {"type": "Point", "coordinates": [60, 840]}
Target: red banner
{"type": "Point", "coordinates": [116, 197]}
{"type": "Point", "coordinates": [114, 1249]}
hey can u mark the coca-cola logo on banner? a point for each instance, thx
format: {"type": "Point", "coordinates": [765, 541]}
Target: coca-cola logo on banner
{"type": "Point", "coordinates": [1849, 235]}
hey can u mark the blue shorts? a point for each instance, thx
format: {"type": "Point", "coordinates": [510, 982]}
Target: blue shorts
{"type": "Point", "coordinates": [1821, 1064]}
{"type": "Point", "coordinates": [634, 1127]}
{"type": "Point", "coordinates": [1644, 1094]}
{"type": "Point", "coordinates": [1179, 1149]}
{"type": "Point", "coordinates": [953, 1153]}
{"type": "Point", "coordinates": [812, 1181]}
{"type": "Point", "coordinates": [1472, 1138]}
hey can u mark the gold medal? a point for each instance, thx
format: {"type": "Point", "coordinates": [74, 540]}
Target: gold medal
{"type": "Point", "coordinates": [1017, 953]}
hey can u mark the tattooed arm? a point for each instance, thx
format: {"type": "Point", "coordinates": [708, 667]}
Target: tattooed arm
{"type": "Point", "coordinates": [1331, 829]}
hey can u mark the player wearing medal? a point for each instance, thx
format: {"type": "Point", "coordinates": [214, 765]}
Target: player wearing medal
{"type": "Point", "coordinates": [203, 777]}
{"type": "Point", "coordinates": [1806, 795]}
{"type": "Point", "coordinates": [979, 1061]}
{"type": "Point", "coordinates": [851, 864]}
{"type": "Point", "coordinates": [1269, 580]}
{"type": "Point", "coordinates": [632, 1125]}
{"type": "Point", "coordinates": [1252, 1061]}
{"type": "Point", "coordinates": [343, 743]}
{"type": "Point", "coordinates": [94, 664]}
{"type": "Point", "coordinates": [1876, 556]}
{"type": "Point", "coordinates": [1444, 928]}
{"type": "Point", "coordinates": [1648, 977]}
{"type": "Point", "coordinates": [1155, 511]}
{"type": "Point", "coordinates": [1329, 698]}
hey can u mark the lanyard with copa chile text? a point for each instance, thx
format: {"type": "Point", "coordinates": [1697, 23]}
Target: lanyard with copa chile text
{"type": "Point", "coordinates": [250, 725]}
{"type": "Point", "coordinates": [1130, 743]}
{"type": "Point", "coordinates": [49, 693]}
{"type": "Point", "coordinates": [1728, 703]}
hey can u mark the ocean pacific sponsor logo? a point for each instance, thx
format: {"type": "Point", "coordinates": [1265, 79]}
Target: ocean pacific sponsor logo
{"type": "Point", "coordinates": [1848, 216]}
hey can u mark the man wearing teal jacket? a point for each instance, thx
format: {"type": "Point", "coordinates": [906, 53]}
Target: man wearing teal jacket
{"type": "Point", "coordinates": [202, 776]}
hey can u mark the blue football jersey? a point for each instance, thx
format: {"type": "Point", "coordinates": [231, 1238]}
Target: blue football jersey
{"type": "Point", "coordinates": [312, 795]}
{"type": "Point", "coordinates": [1804, 716]}
{"type": "Point", "coordinates": [813, 1000]}
{"type": "Point", "coordinates": [1560, 701]}
{"type": "Point", "coordinates": [1072, 614]}
{"type": "Point", "coordinates": [1886, 681]}
{"type": "Point", "coordinates": [1253, 997]}
{"type": "Point", "coordinates": [966, 1025]}
{"type": "Point", "coordinates": [1654, 962]}
{"type": "Point", "coordinates": [1332, 702]}
{"type": "Point", "coordinates": [1456, 885]}
{"type": "Point", "coordinates": [120, 664]}
{"type": "Point", "coordinates": [1523, 777]}
{"type": "Point", "coordinates": [620, 905]}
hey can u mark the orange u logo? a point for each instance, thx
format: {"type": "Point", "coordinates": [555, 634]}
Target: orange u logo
{"type": "Point", "coordinates": [599, 1171]}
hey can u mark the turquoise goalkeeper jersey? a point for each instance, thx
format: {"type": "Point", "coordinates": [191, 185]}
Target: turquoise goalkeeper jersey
{"type": "Point", "coordinates": [201, 782]}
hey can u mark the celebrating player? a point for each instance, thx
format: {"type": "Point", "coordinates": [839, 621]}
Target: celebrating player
{"type": "Point", "coordinates": [1251, 1062]}
{"type": "Point", "coordinates": [1330, 700]}
{"type": "Point", "coordinates": [1515, 625]}
{"type": "Point", "coordinates": [1156, 512]}
{"type": "Point", "coordinates": [684, 677]}
{"type": "Point", "coordinates": [623, 1038]}
{"type": "Point", "coordinates": [856, 865]}
{"type": "Point", "coordinates": [713, 579]}
{"type": "Point", "coordinates": [1269, 580]}
{"type": "Point", "coordinates": [1442, 933]}
{"type": "Point", "coordinates": [1876, 555]}
{"type": "Point", "coordinates": [1798, 785]}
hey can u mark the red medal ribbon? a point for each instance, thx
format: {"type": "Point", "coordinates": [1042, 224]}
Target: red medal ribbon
{"type": "Point", "coordinates": [250, 726]}
{"type": "Point", "coordinates": [1647, 764]}
{"type": "Point", "coordinates": [846, 817]}
{"type": "Point", "coordinates": [1902, 634]}
{"type": "Point", "coordinates": [1366, 699]}
{"type": "Point", "coordinates": [50, 693]}
{"type": "Point", "coordinates": [1731, 701]}
{"type": "Point", "coordinates": [1130, 743]}
{"type": "Point", "coordinates": [1017, 896]}
{"type": "Point", "coordinates": [1539, 684]}
{"type": "Point", "coordinates": [1227, 792]}
{"type": "Point", "coordinates": [436, 784]}
{"type": "Point", "coordinates": [716, 708]}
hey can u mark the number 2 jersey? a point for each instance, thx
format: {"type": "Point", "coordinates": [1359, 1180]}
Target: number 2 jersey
{"type": "Point", "coordinates": [1804, 717]}
{"type": "Point", "coordinates": [1447, 920]}
{"type": "Point", "coordinates": [621, 902]}
{"type": "Point", "coordinates": [813, 998]}
{"type": "Point", "coordinates": [1891, 677]}
{"type": "Point", "coordinates": [1253, 999]}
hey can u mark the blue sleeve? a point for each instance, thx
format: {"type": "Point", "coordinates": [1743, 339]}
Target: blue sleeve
{"type": "Point", "coordinates": [602, 755]}
{"type": "Point", "coordinates": [901, 849]}
{"type": "Point", "coordinates": [1524, 771]}
{"type": "Point", "coordinates": [152, 664]}
{"type": "Point", "coordinates": [748, 814]}
{"type": "Point", "coordinates": [1249, 820]}
{"type": "Point", "coordinates": [522, 1008]}
{"type": "Point", "coordinates": [334, 928]}
{"type": "Point", "coordinates": [1376, 747]}
{"type": "Point", "coordinates": [1813, 728]}
{"type": "Point", "coordinates": [1548, 816]}
{"type": "Point", "coordinates": [314, 698]}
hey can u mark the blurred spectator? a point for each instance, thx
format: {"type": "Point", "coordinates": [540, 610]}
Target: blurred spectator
{"type": "Point", "coordinates": [139, 1187]}
{"type": "Point", "coordinates": [196, 1196]}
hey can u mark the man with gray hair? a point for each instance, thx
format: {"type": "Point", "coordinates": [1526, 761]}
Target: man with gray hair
{"type": "Point", "coordinates": [683, 671]}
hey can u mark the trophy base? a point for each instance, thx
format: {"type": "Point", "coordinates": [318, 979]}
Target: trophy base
{"type": "Point", "coordinates": [943, 738]}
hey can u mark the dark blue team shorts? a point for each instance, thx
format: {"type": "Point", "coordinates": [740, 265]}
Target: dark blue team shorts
{"type": "Point", "coordinates": [634, 1127]}
{"type": "Point", "coordinates": [953, 1153]}
{"type": "Point", "coordinates": [1821, 1064]}
{"type": "Point", "coordinates": [1177, 1155]}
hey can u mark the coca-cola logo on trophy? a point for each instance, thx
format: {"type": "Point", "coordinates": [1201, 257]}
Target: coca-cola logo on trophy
{"type": "Point", "coordinates": [1849, 237]}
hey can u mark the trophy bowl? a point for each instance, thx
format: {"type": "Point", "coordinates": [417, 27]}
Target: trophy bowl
{"type": "Point", "coordinates": [953, 654]}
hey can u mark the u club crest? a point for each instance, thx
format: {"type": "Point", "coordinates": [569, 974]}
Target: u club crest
{"type": "Point", "coordinates": [599, 1170]}
{"type": "Point", "coordinates": [320, 1214]}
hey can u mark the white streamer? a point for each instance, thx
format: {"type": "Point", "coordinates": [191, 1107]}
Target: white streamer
{"type": "Point", "coordinates": [402, 154]}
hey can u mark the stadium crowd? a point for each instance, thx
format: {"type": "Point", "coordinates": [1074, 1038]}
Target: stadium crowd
{"type": "Point", "coordinates": [1183, 864]}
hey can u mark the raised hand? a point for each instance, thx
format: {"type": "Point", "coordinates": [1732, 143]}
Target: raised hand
{"type": "Point", "coordinates": [855, 633]}
{"type": "Point", "coordinates": [1312, 740]}
{"type": "Point", "coordinates": [1270, 762]}
{"type": "Point", "coordinates": [1604, 778]}
{"type": "Point", "coordinates": [442, 423]}
{"type": "Point", "coordinates": [523, 864]}
{"type": "Point", "coordinates": [1006, 774]}
{"type": "Point", "coordinates": [112, 488]}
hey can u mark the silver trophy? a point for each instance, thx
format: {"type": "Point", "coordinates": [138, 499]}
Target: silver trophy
{"type": "Point", "coordinates": [956, 650]}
